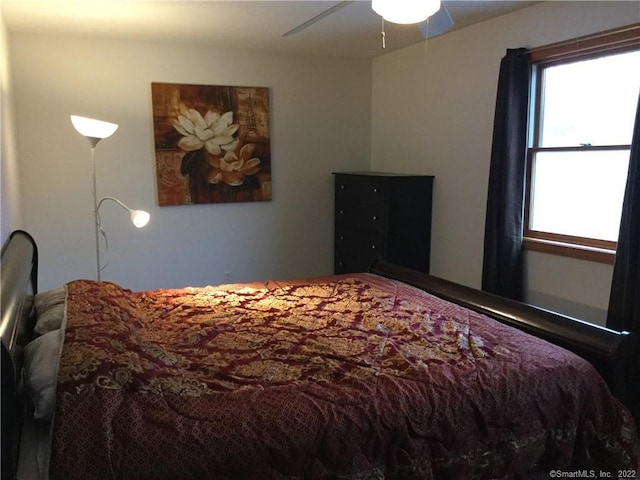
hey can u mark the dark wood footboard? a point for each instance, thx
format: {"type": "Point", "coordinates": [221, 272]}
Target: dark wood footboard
{"type": "Point", "coordinates": [607, 350]}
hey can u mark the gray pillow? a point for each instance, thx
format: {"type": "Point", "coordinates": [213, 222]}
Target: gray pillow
{"type": "Point", "coordinates": [49, 307]}
{"type": "Point", "coordinates": [50, 298]}
{"type": "Point", "coordinates": [41, 357]}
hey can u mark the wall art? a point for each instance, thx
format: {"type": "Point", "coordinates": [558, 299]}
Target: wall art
{"type": "Point", "coordinates": [212, 143]}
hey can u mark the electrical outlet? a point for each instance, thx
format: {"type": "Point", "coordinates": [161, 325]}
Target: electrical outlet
{"type": "Point", "coordinates": [228, 276]}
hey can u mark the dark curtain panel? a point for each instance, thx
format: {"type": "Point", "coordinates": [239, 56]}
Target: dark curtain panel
{"type": "Point", "coordinates": [624, 303]}
{"type": "Point", "coordinates": [502, 271]}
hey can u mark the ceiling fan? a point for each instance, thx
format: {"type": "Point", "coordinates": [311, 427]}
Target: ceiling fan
{"type": "Point", "coordinates": [435, 24]}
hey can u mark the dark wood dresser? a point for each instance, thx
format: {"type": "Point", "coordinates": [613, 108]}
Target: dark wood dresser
{"type": "Point", "coordinates": [382, 215]}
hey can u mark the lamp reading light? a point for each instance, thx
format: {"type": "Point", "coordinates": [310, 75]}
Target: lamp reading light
{"type": "Point", "coordinates": [94, 131]}
{"type": "Point", "coordinates": [138, 217]}
{"type": "Point", "coordinates": [405, 11]}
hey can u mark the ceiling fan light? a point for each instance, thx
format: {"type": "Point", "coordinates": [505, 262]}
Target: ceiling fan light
{"type": "Point", "coordinates": [405, 11]}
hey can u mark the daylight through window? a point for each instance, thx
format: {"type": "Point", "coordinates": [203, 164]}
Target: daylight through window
{"type": "Point", "coordinates": [580, 134]}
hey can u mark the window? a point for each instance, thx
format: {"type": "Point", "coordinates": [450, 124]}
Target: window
{"type": "Point", "coordinates": [585, 94]}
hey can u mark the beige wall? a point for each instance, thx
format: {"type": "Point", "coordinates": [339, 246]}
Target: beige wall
{"type": "Point", "coordinates": [320, 122]}
{"type": "Point", "coordinates": [10, 199]}
{"type": "Point", "coordinates": [433, 107]}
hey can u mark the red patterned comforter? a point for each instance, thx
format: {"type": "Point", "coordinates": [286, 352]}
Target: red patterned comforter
{"type": "Point", "coordinates": [335, 377]}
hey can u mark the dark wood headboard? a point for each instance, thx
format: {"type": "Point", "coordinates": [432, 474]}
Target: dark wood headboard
{"type": "Point", "coordinates": [19, 272]}
{"type": "Point", "coordinates": [607, 350]}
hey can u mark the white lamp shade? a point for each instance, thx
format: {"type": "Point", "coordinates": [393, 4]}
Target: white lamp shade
{"type": "Point", "coordinates": [405, 11]}
{"type": "Point", "coordinates": [140, 218]}
{"type": "Point", "coordinates": [92, 128]}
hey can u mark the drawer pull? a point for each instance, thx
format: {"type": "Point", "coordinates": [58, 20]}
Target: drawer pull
{"type": "Point", "coordinates": [341, 237]}
{"type": "Point", "coordinates": [341, 212]}
{"type": "Point", "coordinates": [375, 190]}
{"type": "Point", "coordinates": [373, 247]}
{"type": "Point", "coordinates": [342, 187]}
{"type": "Point", "coordinates": [375, 217]}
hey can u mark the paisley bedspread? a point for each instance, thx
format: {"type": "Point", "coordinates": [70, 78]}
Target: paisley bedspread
{"type": "Point", "coordinates": [351, 376]}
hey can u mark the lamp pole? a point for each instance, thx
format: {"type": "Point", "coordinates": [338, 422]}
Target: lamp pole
{"type": "Point", "coordinates": [95, 207]}
{"type": "Point", "coordinates": [93, 141]}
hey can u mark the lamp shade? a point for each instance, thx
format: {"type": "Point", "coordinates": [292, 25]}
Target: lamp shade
{"type": "Point", "coordinates": [92, 128]}
{"type": "Point", "coordinates": [140, 218]}
{"type": "Point", "coordinates": [405, 11]}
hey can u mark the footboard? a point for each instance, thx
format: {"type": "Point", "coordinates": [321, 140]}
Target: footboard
{"type": "Point", "coordinates": [607, 350]}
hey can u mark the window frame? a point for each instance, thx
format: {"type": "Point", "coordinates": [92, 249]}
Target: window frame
{"type": "Point", "coordinates": [606, 43]}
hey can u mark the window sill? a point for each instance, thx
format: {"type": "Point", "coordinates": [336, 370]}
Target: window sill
{"type": "Point", "coordinates": [593, 254]}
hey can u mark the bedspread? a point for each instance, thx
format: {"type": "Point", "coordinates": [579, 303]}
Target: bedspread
{"type": "Point", "coordinates": [349, 376]}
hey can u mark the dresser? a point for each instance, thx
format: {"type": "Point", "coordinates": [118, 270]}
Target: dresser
{"type": "Point", "coordinates": [382, 215]}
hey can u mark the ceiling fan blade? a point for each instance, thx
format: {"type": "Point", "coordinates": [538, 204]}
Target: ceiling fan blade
{"type": "Point", "coordinates": [436, 24]}
{"type": "Point", "coordinates": [317, 18]}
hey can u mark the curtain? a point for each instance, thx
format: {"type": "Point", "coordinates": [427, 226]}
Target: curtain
{"type": "Point", "coordinates": [624, 302]}
{"type": "Point", "coordinates": [502, 271]}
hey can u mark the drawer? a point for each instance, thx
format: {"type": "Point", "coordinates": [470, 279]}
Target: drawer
{"type": "Point", "coordinates": [353, 263]}
{"type": "Point", "coordinates": [356, 250]}
{"type": "Point", "coordinates": [362, 216]}
{"type": "Point", "coordinates": [356, 241]}
{"type": "Point", "coordinates": [361, 189]}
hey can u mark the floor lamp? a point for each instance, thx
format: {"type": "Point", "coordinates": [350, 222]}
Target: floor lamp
{"type": "Point", "coordinates": [94, 131]}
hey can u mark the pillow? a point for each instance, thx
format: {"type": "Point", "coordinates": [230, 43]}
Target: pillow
{"type": "Point", "coordinates": [49, 307]}
{"type": "Point", "coordinates": [41, 357]}
{"type": "Point", "coordinates": [50, 298]}
{"type": "Point", "coordinates": [49, 320]}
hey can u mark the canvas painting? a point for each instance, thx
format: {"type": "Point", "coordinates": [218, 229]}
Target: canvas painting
{"type": "Point", "coordinates": [212, 143]}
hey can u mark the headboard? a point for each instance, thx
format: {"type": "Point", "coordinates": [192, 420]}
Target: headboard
{"type": "Point", "coordinates": [18, 272]}
{"type": "Point", "coordinates": [609, 351]}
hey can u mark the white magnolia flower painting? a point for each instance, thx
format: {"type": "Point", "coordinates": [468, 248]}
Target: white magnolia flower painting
{"type": "Point", "coordinates": [212, 143]}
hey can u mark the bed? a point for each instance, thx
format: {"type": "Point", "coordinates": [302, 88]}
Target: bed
{"type": "Point", "coordinates": [383, 374]}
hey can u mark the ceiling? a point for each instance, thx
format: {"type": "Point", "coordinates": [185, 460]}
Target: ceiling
{"type": "Point", "coordinates": [352, 31]}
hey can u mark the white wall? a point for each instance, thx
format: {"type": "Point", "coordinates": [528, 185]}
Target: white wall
{"type": "Point", "coordinates": [433, 108]}
{"type": "Point", "coordinates": [320, 122]}
{"type": "Point", "coordinates": [10, 200]}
